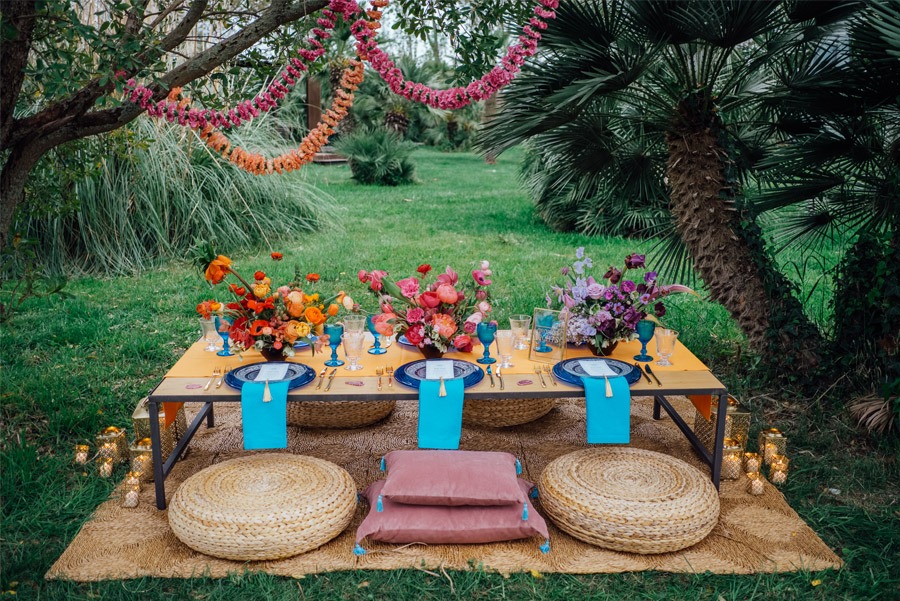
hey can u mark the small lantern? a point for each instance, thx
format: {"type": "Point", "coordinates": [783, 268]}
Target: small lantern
{"type": "Point", "coordinates": [756, 485]}
{"type": "Point", "coordinates": [731, 460]}
{"type": "Point", "coordinates": [142, 458]}
{"type": "Point", "coordinates": [752, 462]}
{"type": "Point", "coordinates": [771, 442]}
{"type": "Point", "coordinates": [81, 453]}
{"type": "Point", "coordinates": [105, 466]}
{"type": "Point", "coordinates": [168, 436]}
{"type": "Point", "coordinates": [737, 423]}
{"type": "Point", "coordinates": [778, 469]}
{"type": "Point", "coordinates": [115, 436]}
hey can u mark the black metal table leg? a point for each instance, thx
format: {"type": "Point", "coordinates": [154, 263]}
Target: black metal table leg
{"type": "Point", "coordinates": [159, 478]}
{"type": "Point", "coordinates": [210, 420]}
{"type": "Point", "coordinates": [656, 406]}
{"type": "Point", "coordinates": [717, 449]}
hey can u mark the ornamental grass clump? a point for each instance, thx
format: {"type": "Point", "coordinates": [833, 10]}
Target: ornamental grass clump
{"type": "Point", "coordinates": [378, 157]}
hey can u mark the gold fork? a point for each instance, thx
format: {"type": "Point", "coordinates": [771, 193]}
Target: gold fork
{"type": "Point", "coordinates": [389, 370]}
{"type": "Point", "coordinates": [379, 372]}
{"type": "Point", "coordinates": [537, 370]}
{"type": "Point", "coordinates": [222, 378]}
{"type": "Point", "coordinates": [216, 373]}
{"type": "Point", "coordinates": [549, 372]}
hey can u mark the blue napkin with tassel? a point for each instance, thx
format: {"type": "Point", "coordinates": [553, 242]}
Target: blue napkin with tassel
{"type": "Point", "coordinates": [264, 421]}
{"type": "Point", "coordinates": [608, 418]}
{"type": "Point", "coordinates": [440, 418]}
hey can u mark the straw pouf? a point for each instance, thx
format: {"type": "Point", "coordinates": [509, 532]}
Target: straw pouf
{"type": "Point", "coordinates": [338, 414]}
{"type": "Point", "coordinates": [629, 499]}
{"type": "Point", "coordinates": [502, 413]}
{"type": "Point", "coordinates": [260, 507]}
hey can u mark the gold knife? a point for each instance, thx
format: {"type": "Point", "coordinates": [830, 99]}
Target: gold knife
{"type": "Point", "coordinates": [500, 377]}
{"type": "Point", "coordinates": [330, 379]}
{"type": "Point", "coordinates": [322, 378]}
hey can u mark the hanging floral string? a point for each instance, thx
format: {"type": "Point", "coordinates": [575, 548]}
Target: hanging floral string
{"type": "Point", "coordinates": [184, 115]}
{"type": "Point", "coordinates": [455, 98]}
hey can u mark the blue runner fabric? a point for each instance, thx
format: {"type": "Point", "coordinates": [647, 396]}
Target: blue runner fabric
{"type": "Point", "coordinates": [265, 424]}
{"type": "Point", "coordinates": [608, 419]}
{"type": "Point", "coordinates": [440, 418]}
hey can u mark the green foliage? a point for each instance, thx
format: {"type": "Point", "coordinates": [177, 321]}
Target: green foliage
{"type": "Point", "coordinates": [21, 278]}
{"type": "Point", "coordinates": [378, 157]}
{"type": "Point", "coordinates": [156, 190]}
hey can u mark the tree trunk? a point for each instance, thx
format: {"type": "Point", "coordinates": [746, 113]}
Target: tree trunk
{"type": "Point", "coordinates": [730, 256]}
{"type": "Point", "coordinates": [18, 165]}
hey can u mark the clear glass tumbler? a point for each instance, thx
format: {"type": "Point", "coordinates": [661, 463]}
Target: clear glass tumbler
{"type": "Point", "coordinates": [521, 328]}
{"type": "Point", "coordinates": [505, 344]}
{"type": "Point", "coordinates": [353, 348]}
{"type": "Point", "coordinates": [209, 335]}
{"type": "Point", "coordinates": [665, 344]}
{"type": "Point", "coordinates": [354, 323]}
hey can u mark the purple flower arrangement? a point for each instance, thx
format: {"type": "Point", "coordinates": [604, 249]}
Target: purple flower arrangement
{"type": "Point", "coordinates": [608, 311]}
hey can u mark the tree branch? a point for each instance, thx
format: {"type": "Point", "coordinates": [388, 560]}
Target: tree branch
{"type": "Point", "coordinates": [21, 16]}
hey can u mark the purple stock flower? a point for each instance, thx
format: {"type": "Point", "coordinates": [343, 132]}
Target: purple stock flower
{"type": "Point", "coordinates": [578, 267]}
{"type": "Point", "coordinates": [579, 252]}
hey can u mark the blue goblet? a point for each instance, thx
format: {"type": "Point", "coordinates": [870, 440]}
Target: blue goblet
{"type": "Point", "coordinates": [376, 350]}
{"type": "Point", "coordinates": [544, 324]}
{"type": "Point", "coordinates": [486, 333]}
{"type": "Point", "coordinates": [334, 331]}
{"type": "Point", "coordinates": [222, 326]}
{"type": "Point", "coordinates": [644, 330]}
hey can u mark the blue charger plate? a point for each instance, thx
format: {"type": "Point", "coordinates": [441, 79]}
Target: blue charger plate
{"type": "Point", "coordinates": [297, 374]}
{"type": "Point", "coordinates": [570, 371]}
{"type": "Point", "coordinates": [411, 374]}
{"type": "Point", "coordinates": [402, 340]}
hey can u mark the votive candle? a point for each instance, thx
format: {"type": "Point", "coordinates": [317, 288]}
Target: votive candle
{"type": "Point", "coordinates": [779, 468]}
{"type": "Point", "coordinates": [105, 467]}
{"type": "Point", "coordinates": [752, 462]}
{"type": "Point", "coordinates": [81, 453]}
{"type": "Point", "coordinates": [756, 485]}
{"type": "Point", "coordinates": [133, 479]}
{"type": "Point", "coordinates": [132, 495]}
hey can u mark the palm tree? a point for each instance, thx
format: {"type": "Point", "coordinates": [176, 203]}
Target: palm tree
{"type": "Point", "coordinates": [681, 81]}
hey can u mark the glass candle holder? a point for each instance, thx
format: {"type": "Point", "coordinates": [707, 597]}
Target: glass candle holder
{"type": "Point", "coordinates": [752, 462]}
{"type": "Point", "coordinates": [115, 436]}
{"type": "Point", "coordinates": [142, 459]}
{"type": "Point", "coordinates": [105, 467]}
{"type": "Point", "coordinates": [771, 442]}
{"type": "Point", "coordinates": [755, 485]}
{"type": "Point", "coordinates": [109, 450]}
{"type": "Point", "coordinates": [778, 469]}
{"type": "Point", "coordinates": [731, 460]}
{"type": "Point", "coordinates": [131, 494]}
{"type": "Point", "coordinates": [81, 453]}
{"type": "Point", "coordinates": [737, 423]}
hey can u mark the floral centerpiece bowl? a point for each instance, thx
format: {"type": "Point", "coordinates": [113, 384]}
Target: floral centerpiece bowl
{"type": "Point", "coordinates": [434, 316]}
{"type": "Point", "coordinates": [273, 320]}
{"type": "Point", "coordinates": [602, 313]}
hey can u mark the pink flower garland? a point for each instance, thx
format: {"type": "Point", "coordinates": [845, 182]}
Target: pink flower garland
{"type": "Point", "coordinates": [246, 110]}
{"type": "Point", "coordinates": [455, 98]}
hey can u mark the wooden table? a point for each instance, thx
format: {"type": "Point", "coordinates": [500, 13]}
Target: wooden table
{"type": "Point", "coordinates": [179, 386]}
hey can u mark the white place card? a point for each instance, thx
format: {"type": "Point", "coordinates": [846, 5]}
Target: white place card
{"type": "Point", "coordinates": [439, 368]}
{"type": "Point", "coordinates": [272, 373]}
{"type": "Point", "coordinates": [597, 368]}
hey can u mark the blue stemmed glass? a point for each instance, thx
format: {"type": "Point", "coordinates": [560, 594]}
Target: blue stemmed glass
{"type": "Point", "coordinates": [644, 330]}
{"type": "Point", "coordinates": [486, 333]}
{"type": "Point", "coordinates": [334, 331]}
{"type": "Point", "coordinates": [223, 332]}
{"type": "Point", "coordinates": [544, 324]}
{"type": "Point", "coordinates": [376, 350]}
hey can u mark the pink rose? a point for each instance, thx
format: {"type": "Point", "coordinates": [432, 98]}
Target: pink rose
{"type": "Point", "coordinates": [415, 315]}
{"type": "Point", "coordinates": [475, 318]}
{"type": "Point", "coordinates": [444, 325]}
{"type": "Point", "coordinates": [484, 307]}
{"type": "Point", "coordinates": [409, 287]}
{"type": "Point", "coordinates": [447, 294]}
{"type": "Point", "coordinates": [415, 334]}
{"type": "Point", "coordinates": [429, 300]}
{"type": "Point", "coordinates": [481, 294]}
{"type": "Point", "coordinates": [463, 343]}
{"type": "Point", "coordinates": [469, 327]}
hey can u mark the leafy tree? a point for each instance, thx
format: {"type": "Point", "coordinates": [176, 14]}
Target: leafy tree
{"type": "Point", "coordinates": [666, 95]}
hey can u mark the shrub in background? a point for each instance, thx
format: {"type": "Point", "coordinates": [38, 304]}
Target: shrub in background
{"type": "Point", "coordinates": [378, 156]}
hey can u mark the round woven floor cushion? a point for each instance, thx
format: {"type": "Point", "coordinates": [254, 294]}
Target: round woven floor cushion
{"type": "Point", "coordinates": [629, 499]}
{"type": "Point", "coordinates": [338, 414]}
{"type": "Point", "coordinates": [500, 413]}
{"type": "Point", "coordinates": [262, 507]}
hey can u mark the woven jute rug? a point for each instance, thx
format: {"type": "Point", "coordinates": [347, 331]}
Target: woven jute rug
{"type": "Point", "coordinates": [754, 533]}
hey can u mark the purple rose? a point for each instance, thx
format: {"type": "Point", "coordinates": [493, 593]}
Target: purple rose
{"type": "Point", "coordinates": [627, 286]}
{"type": "Point", "coordinates": [595, 291]}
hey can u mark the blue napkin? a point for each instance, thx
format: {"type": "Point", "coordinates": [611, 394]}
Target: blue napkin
{"type": "Point", "coordinates": [265, 424]}
{"type": "Point", "coordinates": [440, 418]}
{"type": "Point", "coordinates": [608, 419]}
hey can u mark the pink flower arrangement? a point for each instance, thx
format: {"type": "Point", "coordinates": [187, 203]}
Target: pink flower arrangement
{"type": "Point", "coordinates": [443, 314]}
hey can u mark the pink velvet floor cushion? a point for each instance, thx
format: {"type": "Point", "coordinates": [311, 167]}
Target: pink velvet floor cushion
{"type": "Point", "coordinates": [433, 524]}
{"type": "Point", "coordinates": [452, 478]}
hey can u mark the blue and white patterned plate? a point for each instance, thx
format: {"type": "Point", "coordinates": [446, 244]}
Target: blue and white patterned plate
{"type": "Point", "coordinates": [297, 374]}
{"type": "Point", "coordinates": [412, 373]}
{"type": "Point", "coordinates": [570, 370]}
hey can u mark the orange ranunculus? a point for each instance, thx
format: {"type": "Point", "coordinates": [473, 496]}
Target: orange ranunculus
{"type": "Point", "coordinates": [238, 290]}
{"type": "Point", "coordinates": [215, 306]}
{"type": "Point", "coordinates": [257, 326]}
{"type": "Point", "coordinates": [312, 277]}
{"type": "Point", "coordinates": [332, 310]}
{"type": "Point", "coordinates": [310, 298]}
{"type": "Point", "coordinates": [259, 275]}
{"type": "Point", "coordinates": [314, 316]}
{"type": "Point", "coordinates": [217, 270]}
{"type": "Point", "coordinates": [444, 325]}
{"type": "Point", "coordinates": [294, 303]}
{"type": "Point", "coordinates": [262, 287]}
{"type": "Point", "coordinates": [277, 256]}
{"type": "Point", "coordinates": [295, 329]}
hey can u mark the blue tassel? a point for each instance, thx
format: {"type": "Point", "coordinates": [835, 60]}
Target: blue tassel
{"type": "Point", "coordinates": [534, 493]}
{"type": "Point", "coordinates": [525, 511]}
{"type": "Point", "coordinates": [545, 548]}
{"type": "Point", "coordinates": [383, 467]}
{"type": "Point", "coordinates": [518, 467]}
{"type": "Point", "coordinates": [378, 506]}
{"type": "Point", "coordinates": [357, 550]}
{"type": "Point", "coordinates": [359, 497]}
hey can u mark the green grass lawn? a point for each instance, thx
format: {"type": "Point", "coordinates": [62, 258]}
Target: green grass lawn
{"type": "Point", "coordinates": [70, 367]}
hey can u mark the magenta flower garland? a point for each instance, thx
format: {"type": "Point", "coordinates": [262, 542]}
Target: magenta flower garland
{"type": "Point", "coordinates": [482, 89]}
